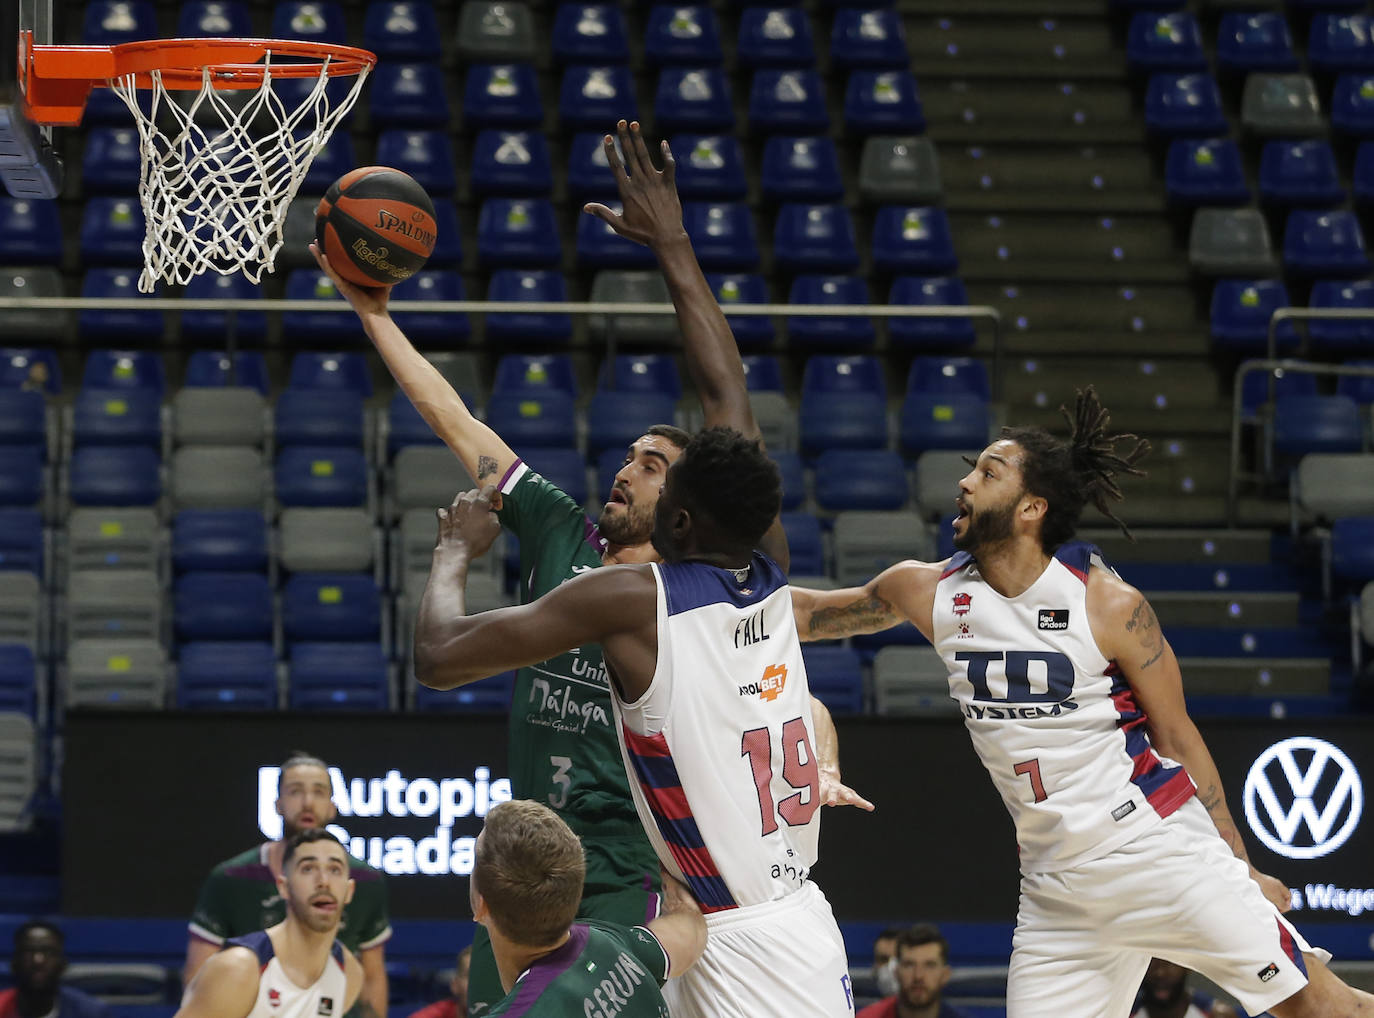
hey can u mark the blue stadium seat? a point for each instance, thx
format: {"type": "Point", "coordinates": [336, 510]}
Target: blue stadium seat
{"type": "Point", "coordinates": [616, 418]}
{"type": "Point", "coordinates": [942, 420]}
{"type": "Point", "coordinates": [518, 232]}
{"type": "Point", "coordinates": [1255, 41]}
{"type": "Point", "coordinates": [30, 232]}
{"type": "Point", "coordinates": [593, 98]}
{"type": "Point", "coordinates": [311, 21]}
{"type": "Point", "coordinates": [790, 101]}
{"type": "Point", "coordinates": [1255, 389]}
{"type": "Point", "coordinates": [220, 540]}
{"type": "Point", "coordinates": [709, 167]}
{"type": "Point", "coordinates": [223, 606]}
{"type": "Point", "coordinates": [949, 374]}
{"type": "Point", "coordinates": [331, 606]}
{"type": "Point", "coordinates": [1304, 424]}
{"type": "Point", "coordinates": [835, 677]}
{"type": "Point", "coordinates": [1184, 104]}
{"type": "Point", "coordinates": [511, 163]}
{"type": "Point", "coordinates": [1165, 42]}
{"type": "Point", "coordinates": [845, 373]}
{"type": "Point", "coordinates": [860, 479]}
{"type": "Point", "coordinates": [318, 417]}
{"type": "Point", "coordinates": [1352, 549]}
{"type": "Point", "coordinates": [814, 238]}
{"type": "Point", "coordinates": [23, 418]}
{"type": "Point", "coordinates": [112, 230]}
{"type": "Point", "coordinates": [1324, 244]}
{"type": "Point", "coordinates": [1362, 176]}
{"type": "Point", "coordinates": [535, 373]}
{"type": "Point", "coordinates": [491, 695]}
{"type": "Point", "coordinates": [338, 676]}
{"type": "Point", "coordinates": [1205, 171]}
{"type": "Point", "coordinates": [789, 466]}
{"type": "Point", "coordinates": [598, 246]}
{"type": "Point", "coordinates": [531, 420]}
{"type": "Point", "coordinates": [18, 679]}
{"type": "Point", "coordinates": [331, 370]}
{"type": "Point", "coordinates": [1299, 173]}
{"type": "Point", "coordinates": [425, 155]}
{"type": "Point", "coordinates": [125, 369]}
{"type": "Point", "coordinates": [405, 427]}
{"type": "Point", "coordinates": [21, 475]}
{"type": "Point", "coordinates": [682, 35]}
{"type": "Point", "coordinates": [1241, 309]}
{"type": "Point", "coordinates": [321, 326]}
{"type": "Point", "coordinates": [1352, 105]}
{"type": "Point", "coordinates": [98, 324]}
{"type": "Point", "coordinates": [693, 99]}
{"type": "Point", "coordinates": [402, 30]}
{"type": "Point", "coordinates": [842, 420]}
{"type": "Point", "coordinates": [321, 476]}
{"type": "Point", "coordinates": [868, 38]}
{"type": "Point", "coordinates": [249, 326]}
{"type": "Point", "coordinates": [205, 368]}
{"type": "Point", "coordinates": [110, 161]}
{"type": "Point", "coordinates": [588, 174]}
{"type": "Point", "coordinates": [1360, 388]}
{"type": "Point", "coordinates": [115, 476]}
{"type": "Point", "coordinates": [641, 373]}
{"type": "Point", "coordinates": [228, 19]}
{"type": "Point", "coordinates": [743, 288]}
{"type": "Point", "coordinates": [590, 34]}
{"type": "Point", "coordinates": [227, 675]}
{"type": "Point", "coordinates": [21, 541]}
{"type": "Point", "coordinates": [22, 366]}
{"type": "Point", "coordinates": [775, 37]}
{"type": "Point", "coordinates": [1337, 335]}
{"type": "Point", "coordinates": [882, 102]}
{"type": "Point", "coordinates": [431, 327]}
{"type": "Point", "coordinates": [1339, 42]}
{"type": "Point", "coordinates": [501, 95]}
{"type": "Point", "coordinates": [805, 543]}
{"type": "Point", "coordinates": [840, 332]}
{"type": "Point", "coordinates": [448, 243]}
{"type": "Point", "coordinates": [111, 22]}
{"type": "Point", "coordinates": [912, 239]}
{"type": "Point", "coordinates": [929, 291]}
{"type": "Point", "coordinates": [762, 372]}
{"type": "Point", "coordinates": [799, 169]}
{"type": "Point", "coordinates": [565, 468]}
{"type": "Point", "coordinates": [408, 95]}
{"type": "Point", "coordinates": [294, 93]}
{"type": "Point", "coordinates": [528, 285]}
{"type": "Point", "coordinates": [117, 417]}
{"type": "Point", "coordinates": [722, 235]}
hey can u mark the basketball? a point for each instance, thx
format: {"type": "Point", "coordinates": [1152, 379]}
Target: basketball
{"type": "Point", "coordinates": [376, 226]}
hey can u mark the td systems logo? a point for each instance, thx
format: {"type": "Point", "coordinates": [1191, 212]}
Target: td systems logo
{"type": "Point", "coordinates": [1303, 798]}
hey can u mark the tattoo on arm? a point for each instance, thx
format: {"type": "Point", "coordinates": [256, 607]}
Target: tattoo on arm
{"type": "Point", "coordinates": [486, 467]}
{"type": "Point", "coordinates": [1214, 802]}
{"type": "Point", "coordinates": [867, 614]}
{"type": "Point", "coordinates": [1145, 625]}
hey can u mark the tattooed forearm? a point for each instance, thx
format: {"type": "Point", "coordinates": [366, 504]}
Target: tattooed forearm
{"type": "Point", "coordinates": [486, 467]}
{"type": "Point", "coordinates": [1214, 802]}
{"type": "Point", "coordinates": [867, 615]}
{"type": "Point", "coordinates": [1145, 625]}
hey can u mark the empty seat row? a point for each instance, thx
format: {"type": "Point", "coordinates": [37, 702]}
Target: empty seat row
{"type": "Point", "coordinates": [1250, 41]}
{"type": "Point", "coordinates": [1212, 172]}
{"type": "Point", "coordinates": [1236, 242]}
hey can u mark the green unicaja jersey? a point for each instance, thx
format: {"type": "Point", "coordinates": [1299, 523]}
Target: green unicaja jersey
{"type": "Point", "coordinates": [563, 745]}
{"type": "Point", "coordinates": [240, 897]}
{"type": "Point", "coordinates": [603, 970]}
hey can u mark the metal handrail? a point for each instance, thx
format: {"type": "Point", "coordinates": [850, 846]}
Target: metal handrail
{"type": "Point", "coordinates": [1290, 314]}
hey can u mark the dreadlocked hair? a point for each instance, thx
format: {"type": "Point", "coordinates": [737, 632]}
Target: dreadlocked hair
{"type": "Point", "coordinates": [1084, 470]}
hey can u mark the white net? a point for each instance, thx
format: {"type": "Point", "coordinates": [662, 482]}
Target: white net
{"type": "Point", "coordinates": [216, 183]}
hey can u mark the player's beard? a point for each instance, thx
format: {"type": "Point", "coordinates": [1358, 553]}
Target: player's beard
{"type": "Point", "coordinates": [633, 526]}
{"type": "Point", "coordinates": [919, 996]}
{"type": "Point", "coordinates": [987, 527]}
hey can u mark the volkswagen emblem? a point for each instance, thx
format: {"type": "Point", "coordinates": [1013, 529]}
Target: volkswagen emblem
{"type": "Point", "coordinates": [1303, 798]}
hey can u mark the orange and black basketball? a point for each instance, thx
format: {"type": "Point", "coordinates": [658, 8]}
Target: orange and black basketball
{"type": "Point", "coordinates": [376, 226]}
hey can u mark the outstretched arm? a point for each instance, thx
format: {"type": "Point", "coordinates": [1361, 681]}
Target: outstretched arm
{"type": "Point", "coordinates": [834, 792]}
{"type": "Point", "coordinates": [614, 606]}
{"type": "Point", "coordinates": [481, 450]}
{"type": "Point", "coordinates": [653, 217]}
{"type": "Point", "coordinates": [901, 593]}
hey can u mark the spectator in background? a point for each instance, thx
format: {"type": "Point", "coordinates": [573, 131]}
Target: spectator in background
{"type": "Point", "coordinates": [922, 972]}
{"type": "Point", "coordinates": [456, 1004]}
{"type": "Point", "coordinates": [37, 965]}
{"type": "Point", "coordinates": [885, 961]}
{"type": "Point", "coordinates": [1165, 994]}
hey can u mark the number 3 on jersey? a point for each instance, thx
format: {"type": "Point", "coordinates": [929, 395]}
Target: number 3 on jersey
{"type": "Point", "coordinates": [561, 766]}
{"type": "Point", "coordinates": [802, 774]}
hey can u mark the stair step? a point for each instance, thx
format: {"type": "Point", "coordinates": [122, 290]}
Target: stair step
{"type": "Point", "coordinates": [1243, 611]}
{"type": "Point", "coordinates": [1241, 676]}
{"type": "Point", "coordinates": [1263, 644]}
{"type": "Point", "coordinates": [1184, 546]}
{"type": "Point", "coordinates": [1207, 576]}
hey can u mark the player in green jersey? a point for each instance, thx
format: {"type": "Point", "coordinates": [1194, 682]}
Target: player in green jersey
{"type": "Point", "coordinates": [525, 891]}
{"type": "Point", "coordinates": [241, 896]}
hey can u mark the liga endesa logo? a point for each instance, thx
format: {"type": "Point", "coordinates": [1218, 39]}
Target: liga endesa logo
{"type": "Point", "coordinates": [1303, 798]}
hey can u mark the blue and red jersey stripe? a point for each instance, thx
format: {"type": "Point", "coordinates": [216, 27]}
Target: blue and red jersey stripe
{"type": "Point", "coordinates": [1164, 788]}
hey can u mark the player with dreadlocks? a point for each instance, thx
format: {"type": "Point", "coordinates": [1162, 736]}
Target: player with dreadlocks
{"type": "Point", "coordinates": [1074, 702]}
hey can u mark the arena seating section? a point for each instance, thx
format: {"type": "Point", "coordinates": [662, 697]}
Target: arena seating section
{"type": "Point", "coordinates": [1135, 185]}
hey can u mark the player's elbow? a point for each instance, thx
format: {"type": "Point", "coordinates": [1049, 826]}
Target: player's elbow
{"type": "Point", "coordinates": [436, 669]}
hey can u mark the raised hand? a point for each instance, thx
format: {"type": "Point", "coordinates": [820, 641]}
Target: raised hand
{"type": "Point", "coordinates": [653, 213]}
{"type": "Point", "coordinates": [366, 300]}
{"type": "Point", "coordinates": [470, 524]}
{"type": "Point", "coordinates": [835, 792]}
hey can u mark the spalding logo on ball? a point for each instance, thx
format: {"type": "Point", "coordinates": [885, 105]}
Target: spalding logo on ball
{"type": "Point", "coordinates": [376, 226]}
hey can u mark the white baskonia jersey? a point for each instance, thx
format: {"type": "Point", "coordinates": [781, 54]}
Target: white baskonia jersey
{"type": "Point", "coordinates": [1054, 722]}
{"type": "Point", "coordinates": [720, 749]}
{"type": "Point", "coordinates": [279, 997]}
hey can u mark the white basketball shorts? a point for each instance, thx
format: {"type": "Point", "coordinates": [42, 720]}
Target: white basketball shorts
{"type": "Point", "coordinates": [1085, 935]}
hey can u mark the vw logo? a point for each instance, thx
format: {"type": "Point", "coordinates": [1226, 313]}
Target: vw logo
{"type": "Point", "coordinates": [1303, 798]}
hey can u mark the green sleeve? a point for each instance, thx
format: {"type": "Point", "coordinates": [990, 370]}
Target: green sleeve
{"type": "Point", "coordinates": [210, 921]}
{"type": "Point", "coordinates": [641, 943]}
{"type": "Point", "coordinates": [532, 507]}
{"type": "Point", "coordinates": [369, 923]}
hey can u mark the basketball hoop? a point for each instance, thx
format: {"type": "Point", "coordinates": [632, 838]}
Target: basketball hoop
{"type": "Point", "coordinates": [217, 176]}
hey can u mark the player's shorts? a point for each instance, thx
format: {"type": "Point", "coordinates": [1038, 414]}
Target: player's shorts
{"type": "Point", "coordinates": [783, 957]}
{"type": "Point", "coordinates": [1084, 936]}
